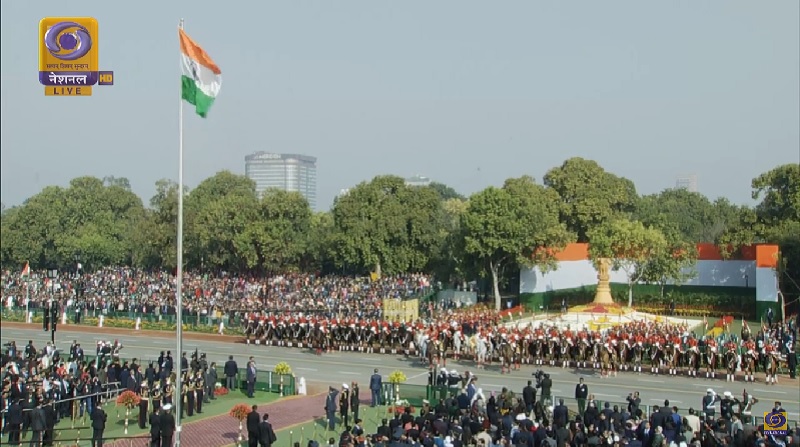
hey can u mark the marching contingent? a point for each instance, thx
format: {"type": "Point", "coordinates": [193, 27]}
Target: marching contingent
{"type": "Point", "coordinates": [480, 335]}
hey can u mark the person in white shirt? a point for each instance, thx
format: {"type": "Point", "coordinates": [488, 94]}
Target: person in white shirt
{"type": "Point", "coordinates": [693, 421]}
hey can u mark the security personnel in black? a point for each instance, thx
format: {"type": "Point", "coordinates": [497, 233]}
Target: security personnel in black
{"type": "Point", "coordinates": [791, 360]}
{"type": "Point", "coordinates": [30, 350]}
{"type": "Point", "coordinates": [189, 390]}
{"type": "Point", "coordinates": [726, 406]}
{"type": "Point", "coordinates": [198, 390]}
{"type": "Point", "coordinates": [144, 403]}
{"type": "Point", "coordinates": [155, 428]}
{"type": "Point", "coordinates": [14, 422]}
{"type": "Point", "coordinates": [50, 419]}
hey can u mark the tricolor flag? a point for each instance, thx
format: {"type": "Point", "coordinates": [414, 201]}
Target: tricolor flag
{"type": "Point", "coordinates": [201, 78]}
{"type": "Point", "coordinates": [26, 271]}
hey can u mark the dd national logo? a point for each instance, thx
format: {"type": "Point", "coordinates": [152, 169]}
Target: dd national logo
{"type": "Point", "coordinates": [775, 423]}
{"type": "Point", "coordinates": [68, 56]}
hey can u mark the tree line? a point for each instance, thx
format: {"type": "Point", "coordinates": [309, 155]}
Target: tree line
{"type": "Point", "coordinates": [386, 226]}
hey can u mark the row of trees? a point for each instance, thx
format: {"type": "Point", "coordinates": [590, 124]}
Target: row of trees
{"type": "Point", "coordinates": [386, 226]}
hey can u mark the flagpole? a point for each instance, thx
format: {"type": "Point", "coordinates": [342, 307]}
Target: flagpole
{"type": "Point", "coordinates": [27, 297]}
{"type": "Point", "coordinates": [179, 277]}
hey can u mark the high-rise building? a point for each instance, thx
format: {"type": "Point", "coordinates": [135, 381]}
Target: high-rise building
{"type": "Point", "coordinates": [688, 183]}
{"type": "Point", "coordinates": [418, 180]}
{"type": "Point", "coordinates": [288, 172]}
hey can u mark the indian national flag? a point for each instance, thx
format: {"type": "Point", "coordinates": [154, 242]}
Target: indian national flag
{"type": "Point", "coordinates": [26, 271]}
{"type": "Point", "coordinates": [201, 78]}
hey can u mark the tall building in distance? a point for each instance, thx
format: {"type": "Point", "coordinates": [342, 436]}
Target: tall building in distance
{"type": "Point", "coordinates": [288, 172]}
{"type": "Point", "coordinates": [418, 180]}
{"type": "Point", "coordinates": [688, 183]}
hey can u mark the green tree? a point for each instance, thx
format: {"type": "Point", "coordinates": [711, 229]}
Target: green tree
{"type": "Point", "coordinates": [320, 252]}
{"type": "Point", "coordinates": [449, 263]}
{"type": "Point", "coordinates": [218, 195]}
{"type": "Point", "coordinates": [696, 218]}
{"type": "Point", "coordinates": [281, 229]}
{"type": "Point", "coordinates": [517, 224]}
{"type": "Point", "coordinates": [385, 225]}
{"type": "Point", "coordinates": [674, 264]}
{"type": "Point", "coordinates": [630, 245]}
{"type": "Point", "coordinates": [222, 231]}
{"type": "Point", "coordinates": [590, 196]}
{"type": "Point", "coordinates": [445, 192]}
{"type": "Point", "coordinates": [122, 182]}
{"type": "Point", "coordinates": [778, 221]}
{"type": "Point", "coordinates": [86, 218]}
{"type": "Point", "coordinates": [779, 192]}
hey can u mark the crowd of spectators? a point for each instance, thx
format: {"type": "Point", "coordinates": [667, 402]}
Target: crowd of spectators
{"type": "Point", "coordinates": [41, 386]}
{"type": "Point", "coordinates": [153, 293]}
{"type": "Point", "coordinates": [504, 419]}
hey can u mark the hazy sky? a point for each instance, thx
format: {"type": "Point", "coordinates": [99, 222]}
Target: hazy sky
{"type": "Point", "coordinates": [467, 93]}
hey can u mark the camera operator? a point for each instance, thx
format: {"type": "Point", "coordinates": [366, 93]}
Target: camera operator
{"type": "Point", "coordinates": [544, 382]}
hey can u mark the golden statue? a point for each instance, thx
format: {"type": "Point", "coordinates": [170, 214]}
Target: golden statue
{"type": "Point", "coordinates": [603, 295]}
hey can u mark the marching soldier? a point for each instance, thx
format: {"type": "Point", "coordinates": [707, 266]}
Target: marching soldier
{"type": "Point", "coordinates": [198, 390]}
{"type": "Point", "coordinates": [156, 397]}
{"type": "Point", "coordinates": [169, 392]}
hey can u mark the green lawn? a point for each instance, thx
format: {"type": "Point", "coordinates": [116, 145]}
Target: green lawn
{"type": "Point", "coordinates": [116, 417]}
{"type": "Point", "coordinates": [318, 428]}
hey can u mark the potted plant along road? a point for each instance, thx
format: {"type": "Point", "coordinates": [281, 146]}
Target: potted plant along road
{"type": "Point", "coordinates": [282, 369]}
{"type": "Point", "coordinates": [396, 378]}
{"type": "Point", "coordinates": [129, 400]}
{"type": "Point", "coordinates": [240, 412]}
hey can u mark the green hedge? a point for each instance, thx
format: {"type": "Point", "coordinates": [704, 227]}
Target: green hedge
{"type": "Point", "coordinates": [718, 300]}
{"type": "Point", "coordinates": [119, 322]}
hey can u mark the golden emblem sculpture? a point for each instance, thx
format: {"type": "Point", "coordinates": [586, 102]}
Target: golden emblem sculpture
{"type": "Point", "coordinates": [603, 295]}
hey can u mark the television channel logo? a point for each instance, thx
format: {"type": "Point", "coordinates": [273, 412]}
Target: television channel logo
{"type": "Point", "coordinates": [69, 56]}
{"type": "Point", "coordinates": [775, 423]}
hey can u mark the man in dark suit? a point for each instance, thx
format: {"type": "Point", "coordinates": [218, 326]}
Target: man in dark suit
{"type": "Point", "coordinates": [252, 373]}
{"type": "Point", "coordinates": [253, 420]}
{"type": "Point", "coordinates": [560, 414]}
{"type": "Point", "coordinates": [38, 425]}
{"type": "Point", "coordinates": [143, 406]}
{"type": "Point", "coordinates": [375, 384]}
{"type": "Point", "coordinates": [50, 424]}
{"type": "Point", "coordinates": [155, 428]}
{"type": "Point", "coordinates": [266, 435]}
{"type": "Point", "coordinates": [123, 377]}
{"type": "Point", "coordinates": [18, 389]}
{"type": "Point", "coordinates": [167, 425]}
{"type": "Point", "coordinates": [231, 369]}
{"type": "Point", "coordinates": [99, 418]}
{"type": "Point", "coordinates": [150, 375]}
{"type": "Point", "coordinates": [581, 393]}
{"type": "Point", "coordinates": [546, 385]}
{"type": "Point", "coordinates": [529, 396]}
{"type": "Point", "coordinates": [14, 422]}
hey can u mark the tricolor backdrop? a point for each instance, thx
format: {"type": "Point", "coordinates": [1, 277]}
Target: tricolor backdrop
{"type": "Point", "coordinates": [752, 270]}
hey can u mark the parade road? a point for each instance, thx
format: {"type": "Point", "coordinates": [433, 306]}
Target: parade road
{"type": "Point", "coordinates": [344, 367]}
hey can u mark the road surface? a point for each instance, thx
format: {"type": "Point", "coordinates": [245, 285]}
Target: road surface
{"type": "Point", "coordinates": [340, 367]}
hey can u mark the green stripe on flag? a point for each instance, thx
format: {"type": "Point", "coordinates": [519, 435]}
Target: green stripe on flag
{"type": "Point", "coordinates": [195, 96]}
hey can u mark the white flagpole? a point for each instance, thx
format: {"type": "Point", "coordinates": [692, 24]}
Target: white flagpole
{"type": "Point", "coordinates": [179, 278]}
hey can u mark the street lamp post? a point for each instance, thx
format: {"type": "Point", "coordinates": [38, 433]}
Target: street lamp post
{"type": "Point", "coordinates": [53, 275]}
